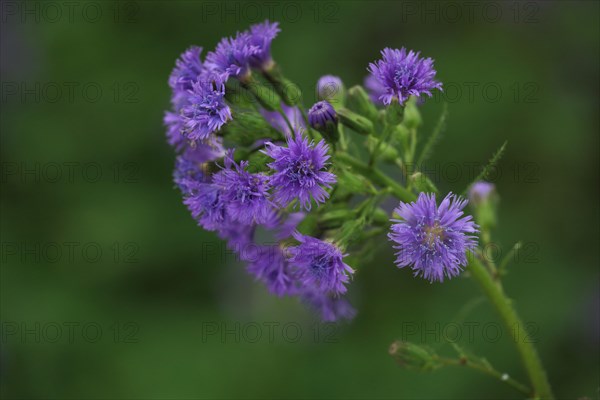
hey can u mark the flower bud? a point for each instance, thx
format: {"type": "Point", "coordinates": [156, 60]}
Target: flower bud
{"type": "Point", "coordinates": [422, 183]}
{"type": "Point", "coordinates": [331, 88]}
{"type": "Point", "coordinates": [356, 122]}
{"type": "Point", "coordinates": [323, 118]}
{"type": "Point", "coordinates": [483, 197]}
{"type": "Point", "coordinates": [413, 356]}
{"type": "Point", "coordinates": [359, 101]}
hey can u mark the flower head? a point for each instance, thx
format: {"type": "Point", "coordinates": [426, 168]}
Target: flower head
{"type": "Point", "coordinates": [174, 125]}
{"type": "Point", "coordinates": [269, 265]}
{"type": "Point", "coordinates": [320, 114]}
{"type": "Point", "coordinates": [245, 194]}
{"type": "Point", "coordinates": [261, 36]}
{"type": "Point", "coordinates": [206, 111]}
{"type": "Point", "coordinates": [232, 56]}
{"type": "Point", "coordinates": [189, 166]}
{"type": "Point", "coordinates": [187, 69]}
{"type": "Point", "coordinates": [403, 74]}
{"type": "Point", "coordinates": [300, 171]}
{"type": "Point", "coordinates": [481, 191]}
{"type": "Point", "coordinates": [205, 202]}
{"type": "Point", "coordinates": [375, 88]}
{"type": "Point", "coordinates": [330, 308]}
{"type": "Point", "coordinates": [432, 239]}
{"type": "Point", "coordinates": [319, 265]}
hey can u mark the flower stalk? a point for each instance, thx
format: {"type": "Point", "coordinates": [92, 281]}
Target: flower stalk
{"type": "Point", "coordinates": [512, 322]}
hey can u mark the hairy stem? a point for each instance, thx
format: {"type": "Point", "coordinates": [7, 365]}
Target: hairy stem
{"type": "Point", "coordinates": [503, 306]}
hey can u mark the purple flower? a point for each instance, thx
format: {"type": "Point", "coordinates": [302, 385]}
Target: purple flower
{"type": "Point", "coordinates": [328, 87]}
{"type": "Point", "coordinates": [261, 36]}
{"type": "Point", "coordinates": [187, 69]}
{"type": "Point", "coordinates": [245, 194]}
{"type": "Point", "coordinates": [330, 308]}
{"type": "Point", "coordinates": [269, 265]}
{"type": "Point", "coordinates": [300, 171]}
{"type": "Point", "coordinates": [480, 192]}
{"type": "Point", "coordinates": [319, 265]}
{"type": "Point", "coordinates": [189, 165]}
{"type": "Point", "coordinates": [432, 239]}
{"type": "Point", "coordinates": [276, 120]}
{"type": "Point", "coordinates": [320, 114]}
{"type": "Point", "coordinates": [175, 136]}
{"type": "Point", "coordinates": [232, 56]}
{"type": "Point", "coordinates": [206, 111]}
{"type": "Point", "coordinates": [403, 74]}
{"type": "Point", "coordinates": [206, 204]}
{"type": "Point", "coordinates": [375, 88]}
{"type": "Point", "coordinates": [287, 227]}
{"type": "Point", "coordinates": [238, 236]}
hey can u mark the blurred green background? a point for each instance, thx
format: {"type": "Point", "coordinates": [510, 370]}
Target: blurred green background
{"type": "Point", "coordinates": [110, 290]}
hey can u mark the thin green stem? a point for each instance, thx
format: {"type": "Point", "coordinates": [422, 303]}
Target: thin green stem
{"type": "Point", "coordinates": [531, 361]}
{"type": "Point", "coordinates": [486, 369]}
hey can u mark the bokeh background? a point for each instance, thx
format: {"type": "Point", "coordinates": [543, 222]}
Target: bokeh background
{"type": "Point", "coordinates": [110, 290]}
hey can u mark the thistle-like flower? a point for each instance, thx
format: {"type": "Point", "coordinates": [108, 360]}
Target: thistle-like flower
{"type": "Point", "coordinates": [187, 69]}
{"type": "Point", "coordinates": [330, 308]}
{"type": "Point", "coordinates": [232, 56]}
{"type": "Point", "coordinates": [204, 200]}
{"type": "Point", "coordinates": [403, 74]}
{"type": "Point", "coordinates": [174, 125]}
{"type": "Point", "coordinates": [261, 36]}
{"type": "Point", "coordinates": [375, 88]}
{"type": "Point", "coordinates": [319, 265]}
{"type": "Point", "coordinates": [269, 265]}
{"type": "Point", "coordinates": [245, 194]}
{"type": "Point", "coordinates": [206, 111]}
{"type": "Point", "coordinates": [300, 171]}
{"type": "Point", "coordinates": [433, 240]}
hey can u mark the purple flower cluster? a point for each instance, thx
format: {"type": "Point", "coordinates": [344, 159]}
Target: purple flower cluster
{"type": "Point", "coordinates": [433, 240]}
{"type": "Point", "coordinates": [233, 202]}
{"type": "Point", "coordinates": [243, 188]}
{"type": "Point", "coordinates": [223, 194]}
{"type": "Point", "coordinates": [198, 88]}
{"type": "Point", "coordinates": [401, 74]}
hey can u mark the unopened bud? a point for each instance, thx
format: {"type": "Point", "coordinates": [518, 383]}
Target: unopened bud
{"type": "Point", "coordinates": [413, 356]}
{"type": "Point", "coordinates": [359, 101]}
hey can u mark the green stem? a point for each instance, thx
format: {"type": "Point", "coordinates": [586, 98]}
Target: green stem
{"type": "Point", "coordinates": [487, 370]}
{"type": "Point", "coordinates": [377, 177]}
{"type": "Point", "coordinates": [503, 306]}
